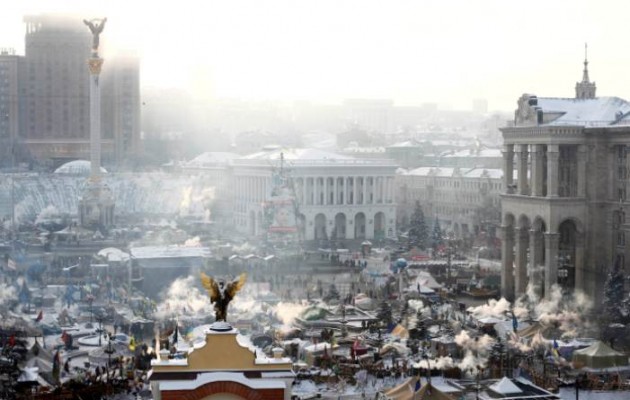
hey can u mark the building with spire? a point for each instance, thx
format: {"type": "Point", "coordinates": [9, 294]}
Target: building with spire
{"type": "Point", "coordinates": [564, 198]}
{"type": "Point", "coordinates": [585, 89]}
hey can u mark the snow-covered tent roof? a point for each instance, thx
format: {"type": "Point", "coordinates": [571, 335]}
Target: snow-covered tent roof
{"type": "Point", "coordinates": [113, 254]}
{"type": "Point", "coordinates": [427, 391]}
{"type": "Point", "coordinates": [599, 355]}
{"type": "Point", "coordinates": [404, 391]}
{"type": "Point", "coordinates": [426, 279]}
{"type": "Point", "coordinates": [77, 167]}
{"type": "Point", "coordinates": [504, 387]}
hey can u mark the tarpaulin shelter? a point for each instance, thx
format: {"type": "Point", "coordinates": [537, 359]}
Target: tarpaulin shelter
{"type": "Point", "coordinates": [599, 355]}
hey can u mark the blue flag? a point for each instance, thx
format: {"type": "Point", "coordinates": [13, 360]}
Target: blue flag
{"type": "Point", "coordinates": [514, 323]}
{"type": "Point", "coordinates": [417, 385]}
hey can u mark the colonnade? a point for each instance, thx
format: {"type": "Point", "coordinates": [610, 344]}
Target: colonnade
{"type": "Point", "coordinates": [538, 170]}
{"type": "Point", "coordinates": [531, 255]}
{"type": "Point", "coordinates": [345, 190]}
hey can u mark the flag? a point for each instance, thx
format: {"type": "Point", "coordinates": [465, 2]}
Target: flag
{"type": "Point", "coordinates": [11, 264]}
{"type": "Point", "coordinates": [514, 323]}
{"type": "Point", "coordinates": [39, 316]}
{"type": "Point", "coordinates": [56, 366]}
{"type": "Point", "coordinates": [12, 340]}
{"type": "Point", "coordinates": [418, 385]}
{"type": "Point", "coordinates": [555, 348]}
{"type": "Point", "coordinates": [132, 344]}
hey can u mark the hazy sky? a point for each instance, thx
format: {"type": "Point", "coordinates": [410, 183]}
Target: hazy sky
{"type": "Point", "coordinates": [416, 51]}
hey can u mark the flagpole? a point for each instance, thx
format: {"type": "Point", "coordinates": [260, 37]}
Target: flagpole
{"type": "Point", "coordinates": [12, 189]}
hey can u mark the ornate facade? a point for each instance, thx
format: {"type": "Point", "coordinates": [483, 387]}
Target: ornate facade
{"type": "Point", "coordinates": [337, 196]}
{"type": "Point", "coordinates": [222, 368]}
{"type": "Point", "coordinates": [563, 217]}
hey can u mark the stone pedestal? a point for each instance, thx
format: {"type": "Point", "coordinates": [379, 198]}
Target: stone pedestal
{"type": "Point", "coordinates": [96, 206]}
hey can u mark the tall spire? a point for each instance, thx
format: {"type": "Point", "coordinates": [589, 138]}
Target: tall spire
{"type": "Point", "coordinates": [586, 88]}
{"type": "Point", "coordinates": [585, 74]}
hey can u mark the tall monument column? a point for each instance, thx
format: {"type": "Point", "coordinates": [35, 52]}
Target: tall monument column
{"type": "Point", "coordinates": [96, 205]}
{"type": "Point", "coordinates": [95, 64]}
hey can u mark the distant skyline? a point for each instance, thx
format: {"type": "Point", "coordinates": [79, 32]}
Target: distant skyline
{"type": "Point", "coordinates": [448, 52]}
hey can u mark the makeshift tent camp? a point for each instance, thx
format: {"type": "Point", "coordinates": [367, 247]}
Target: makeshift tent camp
{"type": "Point", "coordinates": [599, 356]}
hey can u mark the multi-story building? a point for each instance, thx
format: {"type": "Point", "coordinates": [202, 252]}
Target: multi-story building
{"type": "Point", "coordinates": [11, 68]}
{"type": "Point", "coordinates": [121, 106]}
{"type": "Point", "coordinates": [52, 76]}
{"type": "Point", "coordinates": [563, 219]}
{"type": "Point", "coordinates": [465, 201]}
{"type": "Point", "coordinates": [337, 196]}
{"type": "Point", "coordinates": [373, 115]}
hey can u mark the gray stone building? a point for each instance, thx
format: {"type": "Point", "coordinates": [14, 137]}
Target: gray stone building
{"type": "Point", "coordinates": [563, 216]}
{"type": "Point", "coordinates": [44, 95]}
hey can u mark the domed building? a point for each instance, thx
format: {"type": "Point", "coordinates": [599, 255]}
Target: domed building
{"type": "Point", "coordinates": [77, 167]}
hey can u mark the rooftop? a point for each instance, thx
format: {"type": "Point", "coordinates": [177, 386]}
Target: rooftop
{"type": "Point", "coordinates": [449, 172]}
{"type": "Point", "coordinates": [148, 252]}
{"type": "Point", "coordinates": [211, 159]}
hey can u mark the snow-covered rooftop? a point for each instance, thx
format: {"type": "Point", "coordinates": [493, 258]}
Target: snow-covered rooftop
{"type": "Point", "coordinates": [447, 172]}
{"type": "Point", "coordinates": [209, 377]}
{"type": "Point", "coordinates": [211, 159]}
{"type": "Point", "coordinates": [599, 111]}
{"type": "Point", "coordinates": [476, 153]}
{"type": "Point", "coordinates": [148, 252]}
{"type": "Point", "coordinates": [297, 155]}
{"type": "Point", "coordinates": [406, 143]}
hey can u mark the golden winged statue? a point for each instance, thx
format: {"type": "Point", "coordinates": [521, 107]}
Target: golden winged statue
{"type": "Point", "coordinates": [221, 294]}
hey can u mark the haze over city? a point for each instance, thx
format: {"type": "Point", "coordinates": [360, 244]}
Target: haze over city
{"type": "Point", "coordinates": [446, 52]}
{"type": "Point", "coordinates": [336, 200]}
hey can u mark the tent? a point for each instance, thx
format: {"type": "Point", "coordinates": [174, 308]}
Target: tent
{"type": "Point", "coordinates": [404, 391]}
{"type": "Point", "coordinates": [407, 391]}
{"type": "Point", "coordinates": [599, 355]}
{"type": "Point", "coordinates": [534, 329]}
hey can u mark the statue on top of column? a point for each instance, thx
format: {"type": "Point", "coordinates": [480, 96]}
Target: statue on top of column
{"type": "Point", "coordinates": [96, 27]}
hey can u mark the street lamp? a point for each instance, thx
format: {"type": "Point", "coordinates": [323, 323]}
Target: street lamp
{"type": "Point", "coordinates": [109, 350]}
{"type": "Point", "coordinates": [90, 300]}
{"type": "Point", "coordinates": [563, 274]}
{"type": "Point", "coordinates": [99, 319]}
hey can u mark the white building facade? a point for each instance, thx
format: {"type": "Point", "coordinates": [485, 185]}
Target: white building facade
{"type": "Point", "coordinates": [337, 197]}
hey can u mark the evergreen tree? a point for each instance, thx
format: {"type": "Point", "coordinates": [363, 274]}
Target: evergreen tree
{"type": "Point", "coordinates": [333, 294]}
{"type": "Point", "coordinates": [614, 296]}
{"type": "Point", "coordinates": [497, 352]}
{"type": "Point", "coordinates": [385, 313]}
{"type": "Point", "coordinates": [418, 233]}
{"type": "Point", "coordinates": [436, 237]}
{"type": "Point", "coordinates": [421, 328]}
